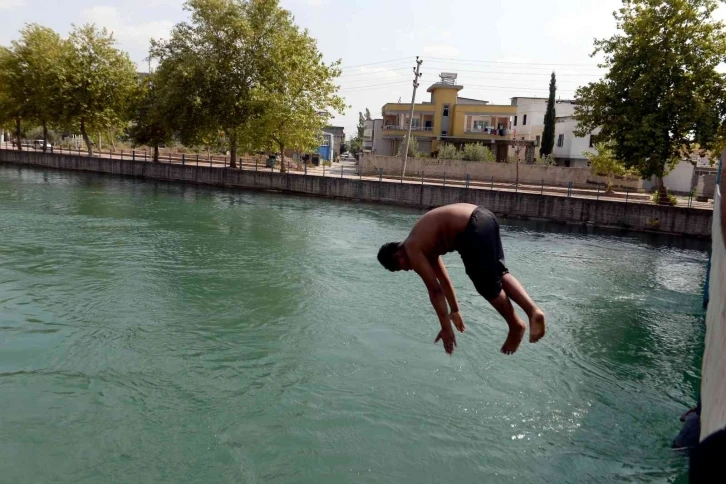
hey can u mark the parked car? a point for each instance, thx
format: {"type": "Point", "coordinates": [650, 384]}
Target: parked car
{"type": "Point", "coordinates": [36, 144]}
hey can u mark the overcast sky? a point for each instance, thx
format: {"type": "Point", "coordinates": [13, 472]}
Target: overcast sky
{"type": "Point", "coordinates": [499, 48]}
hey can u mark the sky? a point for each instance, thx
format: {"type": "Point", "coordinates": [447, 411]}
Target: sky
{"type": "Point", "coordinates": [499, 48]}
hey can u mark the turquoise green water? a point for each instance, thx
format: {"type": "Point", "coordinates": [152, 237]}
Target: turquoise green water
{"type": "Point", "coordinates": [163, 333]}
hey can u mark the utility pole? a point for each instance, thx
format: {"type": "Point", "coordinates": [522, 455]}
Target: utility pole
{"type": "Point", "coordinates": [417, 75]}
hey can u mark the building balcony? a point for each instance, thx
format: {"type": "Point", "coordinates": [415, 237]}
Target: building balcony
{"type": "Point", "coordinates": [392, 127]}
{"type": "Point", "coordinates": [490, 131]}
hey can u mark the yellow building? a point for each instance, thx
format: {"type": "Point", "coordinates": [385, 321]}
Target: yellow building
{"type": "Point", "coordinates": [448, 118]}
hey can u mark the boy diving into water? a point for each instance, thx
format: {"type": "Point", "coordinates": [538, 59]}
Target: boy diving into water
{"type": "Point", "coordinates": [474, 233]}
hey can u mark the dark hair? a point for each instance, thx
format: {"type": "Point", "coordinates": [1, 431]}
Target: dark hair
{"type": "Point", "coordinates": [387, 255]}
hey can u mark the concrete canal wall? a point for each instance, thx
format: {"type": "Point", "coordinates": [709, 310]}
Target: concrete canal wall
{"type": "Point", "coordinates": [631, 216]}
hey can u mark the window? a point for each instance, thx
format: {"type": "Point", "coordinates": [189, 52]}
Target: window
{"type": "Point", "coordinates": [524, 120]}
{"type": "Point", "coordinates": [593, 140]}
{"type": "Point", "coordinates": [444, 133]}
{"type": "Point", "coordinates": [480, 125]}
{"type": "Point", "coordinates": [515, 120]}
{"type": "Point", "coordinates": [446, 110]}
{"type": "Point", "coordinates": [416, 122]}
{"type": "Point", "coordinates": [561, 140]}
{"type": "Point", "coordinates": [537, 140]}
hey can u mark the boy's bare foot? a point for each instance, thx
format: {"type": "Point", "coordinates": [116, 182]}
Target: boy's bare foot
{"type": "Point", "coordinates": [537, 326]}
{"type": "Point", "coordinates": [514, 338]}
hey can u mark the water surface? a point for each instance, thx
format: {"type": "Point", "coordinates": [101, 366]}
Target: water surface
{"type": "Point", "coordinates": [153, 332]}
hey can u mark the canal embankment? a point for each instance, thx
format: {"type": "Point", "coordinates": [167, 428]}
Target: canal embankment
{"type": "Point", "coordinates": [620, 214]}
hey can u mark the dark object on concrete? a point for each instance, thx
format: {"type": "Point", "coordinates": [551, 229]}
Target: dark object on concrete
{"type": "Point", "coordinates": [707, 460]}
{"type": "Point", "coordinates": [690, 433]}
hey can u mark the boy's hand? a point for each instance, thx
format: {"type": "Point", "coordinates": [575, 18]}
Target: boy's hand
{"type": "Point", "coordinates": [458, 322]}
{"type": "Point", "coordinates": [449, 338]}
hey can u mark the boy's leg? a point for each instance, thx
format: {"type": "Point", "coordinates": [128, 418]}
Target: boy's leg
{"type": "Point", "coordinates": [517, 328]}
{"type": "Point", "coordinates": [514, 290]}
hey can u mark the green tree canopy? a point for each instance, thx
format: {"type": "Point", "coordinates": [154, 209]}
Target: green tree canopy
{"type": "Point", "coordinates": [219, 63]}
{"type": "Point", "coordinates": [39, 53]}
{"type": "Point", "coordinates": [150, 122]}
{"type": "Point", "coordinates": [604, 163]}
{"type": "Point", "coordinates": [548, 136]}
{"type": "Point", "coordinates": [14, 101]}
{"type": "Point", "coordinates": [361, 128]}
{"type": "Point", "coordinates": [99, 81]}
{"type": "Point", "coordinates": [662, 94]}
{"type": "Point", "coordinates": [298, 97]}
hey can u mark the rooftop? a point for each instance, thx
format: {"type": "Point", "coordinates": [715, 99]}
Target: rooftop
{"type": "Point", "coordinates": [468, 100]}
{"type": "Point", "coordinates": [448, 80]}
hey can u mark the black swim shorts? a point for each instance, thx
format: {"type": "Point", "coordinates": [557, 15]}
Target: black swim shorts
{"type": "Point", "coordinates": [481, 250]}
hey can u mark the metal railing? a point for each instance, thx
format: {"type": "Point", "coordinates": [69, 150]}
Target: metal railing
{"type": "Point", "coordinates": [394, 127]}
{"type": "Point", "coordinates": [490, 131]}
{"type": "Point", "coordinates": [197, 159]}
{"type": "Point", "coordinates": [259, 163]}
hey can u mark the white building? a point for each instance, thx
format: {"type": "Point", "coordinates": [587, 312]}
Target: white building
{"type": "Point", "coordinates": [569, 149]}
{"type": "Point", "coordinates": [368, 135]}
{"type": "Point", "coordinates": [529, 125]}
{"type": "Point", "coordinates": [373, 137]}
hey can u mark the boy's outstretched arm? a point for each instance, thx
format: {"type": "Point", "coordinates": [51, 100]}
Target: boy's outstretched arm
{"type": "Point", "coordinates": [443, 276]}
{"type": "Point", "coordinates": [423, 268]}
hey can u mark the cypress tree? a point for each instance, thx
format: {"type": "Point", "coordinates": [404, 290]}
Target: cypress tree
{"type": "Point", "coordinates": [548, 136]}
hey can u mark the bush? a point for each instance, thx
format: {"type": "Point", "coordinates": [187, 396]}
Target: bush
{"type": "Point", "coordinates": [326, 163]}
{"type": "Point", "coordinates": [477, 152]}
{"type": "Point", "coordinates": [672, 200]}
{"type": "Point", "coordinates": [447, 151]}
{"type": "Point", "coordinates": [411, 147]}
{"type": "Point", "coordinates": [545, 160]}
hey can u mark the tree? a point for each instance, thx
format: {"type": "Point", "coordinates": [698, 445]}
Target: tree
{"type": "Point", "coordinates": [39, 53]}
{"type": "Point", "coordinates": [14, 104]}
{"type": "Point", "coordinates": [355, 145]}
{"type": "Point", "coordinates": [298, 98]}
{"type": "Point", "coordinates": [98, 82]}
{"type": "Point", "coordinates": [149, 117]}
{"type": "Point", "coordinates": [362, 124]}
{"type": "Point", "coordinates": [412, 153]}
{"type": "Point", "coordinates": [219, 64]}
{"type": "Point", "coordinates": [368, 114]}
{"type": "Point", "coordinates": [662, 94]}
{"type": "Point", "coordinates": [548, 136]}
{"type": "Point", "coordinates": [604, 163]}
{"type": "Point", "coordinates": [518, 145]}
{"type": "Point", "coordinates": [356, 142]}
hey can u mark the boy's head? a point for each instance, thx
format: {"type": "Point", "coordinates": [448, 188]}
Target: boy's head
{"type": "Point", "coordinates": [393, 257]}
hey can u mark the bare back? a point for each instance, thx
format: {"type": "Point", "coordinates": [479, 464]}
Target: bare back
{"type": "Point", "coordinates": [435, 233]}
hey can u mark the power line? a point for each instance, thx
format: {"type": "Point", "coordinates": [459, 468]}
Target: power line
{"type": "Point", "coordinates": [515, 88]}
{"type": "Point", "coordinates": [534, 65]}
{"type": "Point", "coordinates": [364, 88]}
{"type": "Point", "coordinates": [518, 73]}
{"type": "Point", "coordinates": [367, 82]}
{"type": "Point", "coordinates": [377, 63]}
{"type": "Point", "coordinates": [462, 61]}
{"type": "Point", "coordinates": [376, 72]}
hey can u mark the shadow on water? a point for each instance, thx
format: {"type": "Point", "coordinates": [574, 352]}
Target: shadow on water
{"type": "Point", "coordinates": [649, 238]}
